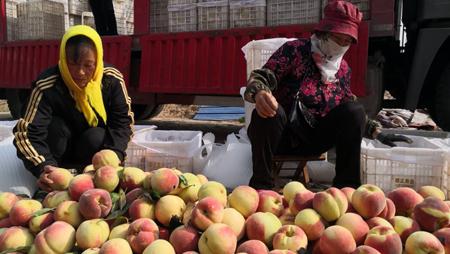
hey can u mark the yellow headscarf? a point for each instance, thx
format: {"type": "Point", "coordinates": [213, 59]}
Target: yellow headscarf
{"type": "Point", "coordinates": [90, 97]}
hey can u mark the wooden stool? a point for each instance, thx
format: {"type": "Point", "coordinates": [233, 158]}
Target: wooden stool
{"type": "Point", "coordinates": [301, 172]}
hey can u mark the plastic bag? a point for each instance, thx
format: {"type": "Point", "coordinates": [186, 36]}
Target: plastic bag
{"type": "Point", "coordinates": [229, 163]}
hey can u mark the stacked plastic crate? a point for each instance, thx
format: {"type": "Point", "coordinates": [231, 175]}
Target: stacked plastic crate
{"type": "Point", "coordinates": [182, 15]}
{"type": "Point", "coordinates": [212, 14]}
{"type": "Point", "coordinates": [124, 12]}
{"type": "Point", "coordinates": [80, 13]}
{"type": "Point", "coordinates": [284, 12]}
{"type": "Point", "coordinates": [40, 19]}
{"type": "Point", "coordinates": [247, 13]}
{"type": "Point", "coordinates": [159, 16]}
{"type": "Point", "coordinates": [11, 19]}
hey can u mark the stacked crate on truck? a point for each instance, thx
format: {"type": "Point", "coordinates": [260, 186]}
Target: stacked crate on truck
{"type": "Point", "coordinates": [182, 15]}
{"type": "Point", "coordinates": [247, 13]}
{"type": "Point", "coordinates": [40, 19]}
{"type": "Point", "coordinates": [286, 12]}
{"type": "Point", "coordinates": [212, 14]}
{"type": "Point", "coordinates": [159, 16]}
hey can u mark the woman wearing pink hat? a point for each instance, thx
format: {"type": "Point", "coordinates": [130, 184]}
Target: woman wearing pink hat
{"type": "Point", "coordinates": [324, 115]}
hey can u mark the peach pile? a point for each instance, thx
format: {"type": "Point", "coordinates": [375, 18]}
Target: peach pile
{"type": "Point", "coordinates": [114, 209]}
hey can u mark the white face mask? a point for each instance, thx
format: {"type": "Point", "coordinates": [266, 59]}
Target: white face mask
{"type": "Point", "coordinates": [331, 49]}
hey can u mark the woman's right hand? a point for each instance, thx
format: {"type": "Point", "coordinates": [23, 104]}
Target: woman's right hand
{"type": "Point", "coordinates": [44, 182]}
{"type": "Point", "coordinates": [265, 103]}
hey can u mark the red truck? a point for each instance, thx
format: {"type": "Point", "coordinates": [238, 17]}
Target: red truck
{"type": "Point", "coordinates": [208, 67]}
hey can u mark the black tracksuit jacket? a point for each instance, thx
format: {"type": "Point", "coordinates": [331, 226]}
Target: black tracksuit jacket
{"type": "Point", "coordinates": [51, 97]}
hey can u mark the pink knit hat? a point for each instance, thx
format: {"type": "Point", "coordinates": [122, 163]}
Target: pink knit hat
{"type": "Point", "coordinates": [340, 17]}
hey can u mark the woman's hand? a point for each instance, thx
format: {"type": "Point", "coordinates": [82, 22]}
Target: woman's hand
{"type": "Point", "coordinates": [43, 181]}
{"type": "Point", "coordinates": [265, 103]}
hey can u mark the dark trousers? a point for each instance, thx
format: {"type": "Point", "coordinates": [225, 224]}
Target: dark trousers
{"type": "Point", "coordinates": [342, 127]}
{"type": "Point", "coordinates": [105, 19]}
{"type": "Point", "coordinates": [73, 149]}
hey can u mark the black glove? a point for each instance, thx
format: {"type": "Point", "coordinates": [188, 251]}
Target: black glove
{"type": "Point", "coordinates": [389, 139]}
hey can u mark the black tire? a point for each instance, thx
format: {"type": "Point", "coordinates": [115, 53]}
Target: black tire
{"type": "Point", "coordinates": [442, 100]}
{"type": "Point", "coordinates": [145, 111]}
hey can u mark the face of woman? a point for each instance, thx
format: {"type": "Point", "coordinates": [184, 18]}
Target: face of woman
{"type": "Point", "coordinates": [342, 39]}
{"type": "Point", "coordinates": [82, 70]}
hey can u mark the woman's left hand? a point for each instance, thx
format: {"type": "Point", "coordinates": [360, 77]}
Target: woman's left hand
{"type": "Point", "coordinates": [44, 182]}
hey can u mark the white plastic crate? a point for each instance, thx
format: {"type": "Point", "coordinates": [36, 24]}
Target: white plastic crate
{"type": "Point", "coordinates": [283, 12]}
{"type": "Point", "coordinates": [212, 14]}
{"type": "Point", "coordinates": [408, 165]}
{"type": "Point", "coordinates": [159, 16]}
{"type": "Point", "coordinates": [153, 149]}
{"type": "Point", "coordinates": [247, 13]}
{"type": "Point", "coordinates": [182, 15]}
{"type": "Point", "coordinates": [124, 12]}
{"type": "Point", "coordinates": [256, 55]}
{"type": "Point", "coordinates": [77, 7]}
{"type": "Point", "coordinates": [41, 19]}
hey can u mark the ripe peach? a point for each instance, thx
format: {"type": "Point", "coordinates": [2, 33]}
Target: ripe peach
{"type": "Point", "coordinates": [213, 189]}
{"type": "Point", "coordinates": [262, 226]}
{"type": "Point", "coordinates": [7, 200]}
{"type": "Point", "coordinates": [311, 222]}
{"type": "Point", "coordinates": [167, 207]}
{"type": "Point", "coordinates": [270, 201]}
{"type": "Point", "coordinates": [364, 249]}
{"type": "Point", "coordinates": [164, 181]}
{"type": "Point", "coordinates": [290, 237]}
{"type": "Point", "coordinates": [301, 200]}
{"type": "Point", "coordinates": [291, 189]}
{"type": "Point", "coordinates": [388, 211]}
{"type": "Point", "coordinates": [80, 184]}
{"type": "Point", "coordinates": [378, 221]}
{"type": "Point", "coordinates": [287, 218]}
{"type": "Point", "coordinates": [207, 212]}
{"type": "Point", "coordinates": [422, 242]}
{"type": "Point", "coordinates": [218, 239]}
{"type": "Point", "coordinates": [202, 178]}
{"type": "Point", "coordinates": [56, 238]}
{"type": "Point", "coordinates": [89, 169]}
{"type": "Point", "coordinates": [337, 240]}
{"type": "Point", "coordinates": [60, 179]}
{"type": "Point", "coordinates": [184, 238]}
{"type": "Point", "coordinates": [235, 221]}
{"type": "Point", "coordinates": [384, 239]}
{"type": "Point", "coordinates": [106, 178]}
{"type": "Point", "coordinates": [159, 246]}
{"type": "Point", "coordinates": [141, 233]}
{"type": "Point", "coordinates": [404, 226]}
{"type": "Point", "coordinates": [368, 200]}
{"type": "Point", "coordinates": [133, 195]}
{"type": "Point", "coordinates": [330, 204]}
{"type": "Point", "coordinates": [54, 198]}
{"type": "Point", "coordinates": [405, 199]}
{"type": "Point", "coordinates": [244, 199]}
{"type": "Point", "coordinates": [189, 188]}
{"type": "Point", "coordinates": [142, 208]}
{"type": "Point", "coordinates": [356, 225]}
{"type": "Point", "coordinates": [119, 231]}
{"type": "Point", "coordinates": [432, 214]}
{"type": "Point", "coordinates": [443, 235]}
{"type": "Point", "coordinates": [252, 247]}
{"type": "Point", "coordinates": [430, 190]}
{"type": "Point", "coordinates": [92, 233]}
{"type": "Point", "coordinates": [15, 237]}
{"type": "Point", "coordinates": [116, 246]}
{"type": "Point", "coordinates": [95, 203]}
{"type": "Point", "coordinates": [132, 178]}
{"type": "Point", "coordinates": [69, 212]}
{"type": "Point", "coordinates": [23, 210]}
{"type": "Point", "coordinates": [282, 252]}
{"type": "Point", "coordinates": [105, 157]}
{"type": "Point", "coordinates": [38, 223]}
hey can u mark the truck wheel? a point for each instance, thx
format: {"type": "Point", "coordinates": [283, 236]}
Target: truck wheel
{"type": "Point", "coordinates": [145, 111]}
{"type": "Point", "coordinates": [442, 101]}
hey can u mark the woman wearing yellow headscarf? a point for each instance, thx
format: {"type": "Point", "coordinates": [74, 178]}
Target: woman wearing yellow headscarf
{"type": "Point", "coordinates": [75, 109]}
